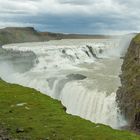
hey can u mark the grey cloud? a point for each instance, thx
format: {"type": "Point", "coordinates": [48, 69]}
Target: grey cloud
{"type": "Point", "coordinates": [130, 3]}
{"type": "Point", "coordinates": [93, 16]}
{"type": "Point", "coordinates": [76, 2]}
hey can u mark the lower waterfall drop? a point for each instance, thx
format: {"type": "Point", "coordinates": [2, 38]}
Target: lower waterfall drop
{"type": "Point", "coordinates": [91, 105]}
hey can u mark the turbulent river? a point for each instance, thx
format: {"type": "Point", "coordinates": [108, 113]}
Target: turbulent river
{"type": "Point", "coordinates": [83, 74]}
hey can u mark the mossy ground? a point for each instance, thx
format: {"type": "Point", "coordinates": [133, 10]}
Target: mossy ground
{"type": "Point", "coordinates": [45, 118]}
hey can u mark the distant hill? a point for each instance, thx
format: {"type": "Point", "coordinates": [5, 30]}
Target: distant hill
{"type": "Point", "coordinates": [18, 35]}
{"type": "Point", "coordinates": [29, 34]}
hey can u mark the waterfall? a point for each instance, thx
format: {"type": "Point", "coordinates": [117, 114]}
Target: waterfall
{"type": "Point", "coordinates": [82, 74]}
{"type": "Point", "coordinates": [91, 104]}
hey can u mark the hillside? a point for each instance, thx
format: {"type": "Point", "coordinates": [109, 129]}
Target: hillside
{"type": "Point", "coordinates": [17, 35]}
{"type": "Point", "coordinates": [29, 34]}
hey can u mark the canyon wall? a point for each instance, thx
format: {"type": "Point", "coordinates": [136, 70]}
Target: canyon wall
{"type": "Point", "coordinates": [128, 95]}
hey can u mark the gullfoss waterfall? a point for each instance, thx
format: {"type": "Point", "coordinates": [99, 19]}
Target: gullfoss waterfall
{"type": "Point", "coordinates": [83, 74]}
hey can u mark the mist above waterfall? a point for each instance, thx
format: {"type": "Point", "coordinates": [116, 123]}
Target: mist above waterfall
{"type": "Point", "coordinates": [83, 74]}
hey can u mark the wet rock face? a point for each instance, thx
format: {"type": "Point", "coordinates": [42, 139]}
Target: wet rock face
{"type": "Point", "coordinates": [91, 51]}
{"type": "Point", "coordinates": [76, 76]}
{"type": "Point", "coordinates": [128, 95]}
{"type": "Point", "coordinates": [137, 120]}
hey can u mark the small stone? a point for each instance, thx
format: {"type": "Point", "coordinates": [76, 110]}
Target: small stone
{"type": "Point", "coordinates": [48, 138]}
{"type": "Point", "coordinates": [19, 130]}
{"type": "Point", "coordinates": [64, 108]}
{"type": "Point", "coordinates": [27, 108]}
{"type": "Point", "coordinates": [10, 111]}
{"type": "Point", "coordinates": [54, 135]}
{"type": "Point", "coordinates": [21, 104]}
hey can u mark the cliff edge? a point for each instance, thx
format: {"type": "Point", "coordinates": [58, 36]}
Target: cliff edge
{"type": "Point", "coordinates": [128, 95]}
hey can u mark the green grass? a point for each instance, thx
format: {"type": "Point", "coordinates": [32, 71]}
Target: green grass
{"type": "Point", "coordinates": [136, 39]}
{"type": "Point", "coordinates": [45, 118]}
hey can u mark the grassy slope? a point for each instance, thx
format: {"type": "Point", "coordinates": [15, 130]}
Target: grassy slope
{"type": "Point", "coordinates": [45, 118]}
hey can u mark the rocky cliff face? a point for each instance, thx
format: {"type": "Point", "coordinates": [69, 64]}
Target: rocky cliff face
{"type": "Point", "coordinates": [128, 95]}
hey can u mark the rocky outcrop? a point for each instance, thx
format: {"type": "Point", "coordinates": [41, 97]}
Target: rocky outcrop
{"type": "Point", "coordinates": [128, 95]}
{"type": "Point", "coordinates": [91, 51]}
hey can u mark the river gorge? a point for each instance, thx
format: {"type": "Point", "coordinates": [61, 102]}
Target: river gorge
{"type": "Point", "coordinates": [82, 73]}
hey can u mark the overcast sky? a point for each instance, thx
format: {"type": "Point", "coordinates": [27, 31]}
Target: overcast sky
{"type": "Point", "coordinates": [73, 16]}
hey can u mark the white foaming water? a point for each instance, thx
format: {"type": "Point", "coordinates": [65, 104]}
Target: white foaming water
{"type": "Point", "coordinates": [84, 78]}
